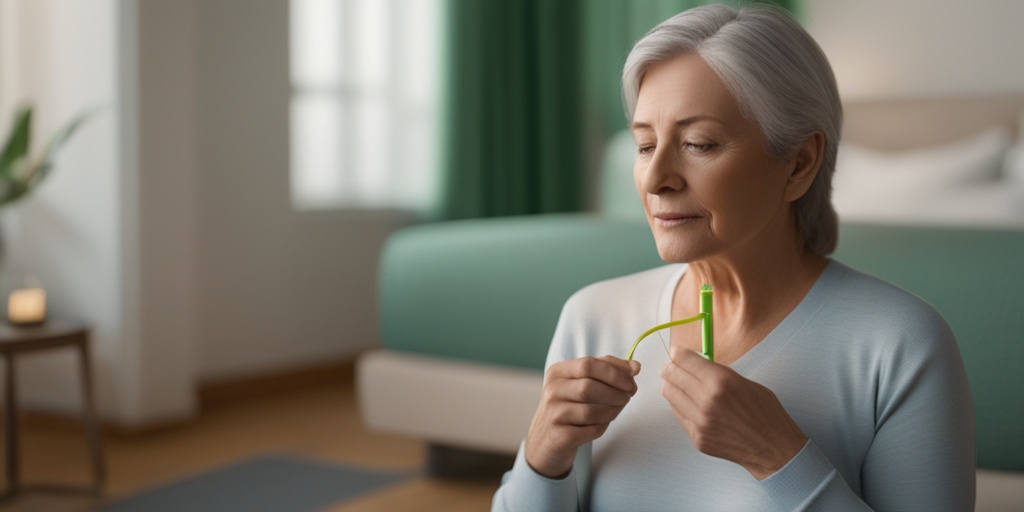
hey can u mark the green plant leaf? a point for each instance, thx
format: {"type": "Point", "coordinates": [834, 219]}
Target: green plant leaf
{"type": "Point", "coordinates": [42, 166]}
{"type": "Point", "coordinates": [18, 174]}
{"type": "Point", "coordinates": [17, 142]}
{"type": "Point", "coordinates": [9, 187]}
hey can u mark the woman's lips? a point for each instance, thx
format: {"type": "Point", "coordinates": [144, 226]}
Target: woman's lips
{"type": "Point", "coordinates": [674, 219]}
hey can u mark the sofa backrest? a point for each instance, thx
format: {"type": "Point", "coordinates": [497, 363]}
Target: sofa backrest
{"type": "Point", "coordinates": [491, 290]}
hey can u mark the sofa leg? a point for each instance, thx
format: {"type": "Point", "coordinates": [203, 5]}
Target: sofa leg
{"type": "Point", "coordinates": [460, 463]}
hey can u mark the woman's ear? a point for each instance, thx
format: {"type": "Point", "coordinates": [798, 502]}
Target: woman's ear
{"type": "Point", "coordinates": [805, 166]}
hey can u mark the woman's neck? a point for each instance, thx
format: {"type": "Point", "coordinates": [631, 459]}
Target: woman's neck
{"type": "Point", "coordinates": [753, 292]}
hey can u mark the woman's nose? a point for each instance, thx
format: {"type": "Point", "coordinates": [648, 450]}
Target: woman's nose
{"type": "Point", "coordinates": [661, 173]}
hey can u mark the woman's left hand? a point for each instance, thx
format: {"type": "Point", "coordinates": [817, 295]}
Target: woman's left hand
{"type": "Point", "coordinates": [728, 416]}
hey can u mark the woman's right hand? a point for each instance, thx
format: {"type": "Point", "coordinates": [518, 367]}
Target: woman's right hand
{"type": "Point", "coordinates": [581, 397]}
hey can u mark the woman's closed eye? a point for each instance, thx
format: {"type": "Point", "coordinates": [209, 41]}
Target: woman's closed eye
{"type": "Point", "coordinates": [700, 147]}
{"type": "Point", "coordinates": [693, 147]}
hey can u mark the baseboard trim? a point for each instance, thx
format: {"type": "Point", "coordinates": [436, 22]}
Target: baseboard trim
{"type": "Point", "coordinates": [221, 391]}
{"type": "Point", "coordinates": [210, 395]}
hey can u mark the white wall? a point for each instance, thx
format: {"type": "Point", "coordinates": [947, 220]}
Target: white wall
{"type": "Point", "coordinates": [883, 49]}
{"type": "Point", "coordinates": [276, 288]}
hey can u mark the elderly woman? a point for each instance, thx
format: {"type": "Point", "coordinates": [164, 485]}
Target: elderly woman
{"type": "Point", "coordinates": [830, 389]}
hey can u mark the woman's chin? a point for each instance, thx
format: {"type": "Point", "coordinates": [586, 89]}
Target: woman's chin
{"type": "Point", "coordinates": [673, 253]}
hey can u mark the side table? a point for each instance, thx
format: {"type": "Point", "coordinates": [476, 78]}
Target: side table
{"type": "Point", "coordinates": [16, 340]}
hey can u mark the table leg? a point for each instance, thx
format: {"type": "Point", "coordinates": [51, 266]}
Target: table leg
{"type": "Point", "coordinates": [11, 414]}
{"type": "Point", "coordinates": [92, 427]}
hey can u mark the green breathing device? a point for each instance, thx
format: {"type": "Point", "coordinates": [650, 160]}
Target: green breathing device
{"type": "Point", "coordinates": [706, 327]}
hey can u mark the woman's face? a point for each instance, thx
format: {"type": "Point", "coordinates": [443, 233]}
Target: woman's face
{"type": "Point", "coordinates": [705, 178]}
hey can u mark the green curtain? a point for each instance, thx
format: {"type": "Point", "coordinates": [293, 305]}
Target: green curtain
{"type": "Point", "coordinates": [531, 89]}
{"type": "Point", "coordinates": [513, 108]}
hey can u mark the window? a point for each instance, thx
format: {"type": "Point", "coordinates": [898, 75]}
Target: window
{"type": "Point", "coordinates": [365, 77]}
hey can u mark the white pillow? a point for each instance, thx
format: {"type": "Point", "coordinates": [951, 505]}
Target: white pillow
{"type": "Point", "coordinates": [921, 185]}
{"type": "Point", "coordinates": [1013, 167]}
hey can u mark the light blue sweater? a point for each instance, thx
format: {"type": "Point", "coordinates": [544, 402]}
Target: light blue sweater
{"type": "Point", "coordinates": [870, 373]}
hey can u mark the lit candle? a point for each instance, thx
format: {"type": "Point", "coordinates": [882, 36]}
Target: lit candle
{"type": "Point", "coordinates": [26, 306]}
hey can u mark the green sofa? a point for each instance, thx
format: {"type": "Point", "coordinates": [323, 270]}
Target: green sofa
{"type": "Point", "coordinates": [477, 301]}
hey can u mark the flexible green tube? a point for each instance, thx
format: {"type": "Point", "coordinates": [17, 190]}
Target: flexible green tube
{"type": "Point", "coordinates": [707, 335]}
{"type": "Point", "coordinates": [707, 331]}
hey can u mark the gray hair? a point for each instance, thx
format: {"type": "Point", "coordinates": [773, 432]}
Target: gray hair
{"type": "Point", "coordinates": [779, 77]}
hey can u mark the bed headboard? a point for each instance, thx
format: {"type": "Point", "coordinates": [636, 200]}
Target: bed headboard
{"type": "Point", "coordinates": [903, 124]}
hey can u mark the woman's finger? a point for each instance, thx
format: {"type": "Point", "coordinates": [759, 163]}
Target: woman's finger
{"type": "Point", "coordinates": [586, 391]}
{"type": "Point", "coordinates": [590, 391]}
{"type": "Point", "coordinates": [705, 382]}
{"type": "Point", "coordinates": [694, 363]}
{"type": "Point", "coordinates": [608, 369]}
{"type": "Point", "coordinates": [576, 414]}
{"type": "Point", "coordinates": [686, 384]}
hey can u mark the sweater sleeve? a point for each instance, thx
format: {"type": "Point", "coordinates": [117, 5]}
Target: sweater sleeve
{"type": "Point", "coordinates": [810, 482]}
{"type": "Point", "coordinates": [522, 488]}
{"type": "Point", "coordinates": [922, 454]}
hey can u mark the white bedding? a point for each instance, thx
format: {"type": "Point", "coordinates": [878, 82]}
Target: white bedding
{"type": "Point", "coordinates": [973, 182]}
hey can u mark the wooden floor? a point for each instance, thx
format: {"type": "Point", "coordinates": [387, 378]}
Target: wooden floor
{"type": "Point", "coordinates": [320, 421]}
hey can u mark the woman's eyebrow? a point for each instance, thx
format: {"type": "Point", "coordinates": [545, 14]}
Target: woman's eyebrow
{"type": "Point", "coordinates": [680, 123]}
